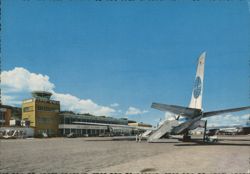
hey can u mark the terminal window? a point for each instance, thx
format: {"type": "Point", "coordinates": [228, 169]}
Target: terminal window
{"type": "Point", "coordinates": [28, 109]}
{"type": "Point", "coordinates": [46, 108]}
{"type": "Point", "coordinates": [2, 116]}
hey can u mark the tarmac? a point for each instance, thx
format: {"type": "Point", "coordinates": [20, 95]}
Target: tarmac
{"type": "Point", "coordinates": [102, 155]}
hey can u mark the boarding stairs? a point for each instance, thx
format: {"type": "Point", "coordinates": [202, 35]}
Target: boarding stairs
{"type": "Point", "coordinates": [162, 130]}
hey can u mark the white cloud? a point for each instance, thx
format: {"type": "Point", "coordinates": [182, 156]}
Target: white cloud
{"type": "Point", "coordinates": [135, 111]}
{"type": "Point", "coordinates": [20, 79]}
{"type": "Point", "coordinates": [10, 100]}
{"type": "Point", "coordinates": [20, 82]}
{"type": "Point", "coordinates": [169, 116]}
{"type": "Point", "coordinates": [220, 120]}
{"type": "Point", "coordinates": [114, 105]}
{"type": "Point", "coordinates": [228, 120]}
{"type": "Point", "coordinates": [73, 103]}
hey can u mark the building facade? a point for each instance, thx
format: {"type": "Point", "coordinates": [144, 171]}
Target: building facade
{"type": "Point", "coordinates": [7, 113]}
{"type": "Point", "coordinates": [140, 125]}
{"type": "Point", "coordinates": [42, 112]}
{"type": "Point", "coordinates": [90, 125]}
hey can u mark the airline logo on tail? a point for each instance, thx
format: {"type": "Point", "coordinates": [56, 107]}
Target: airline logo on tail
{"type": "Point", "coordinates": [197, 87]}
{"type": "Point", "coordinates": [196, 99]}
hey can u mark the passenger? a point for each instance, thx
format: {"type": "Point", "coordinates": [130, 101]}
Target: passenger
{"type": "Point", "coordinates": [140, 136]}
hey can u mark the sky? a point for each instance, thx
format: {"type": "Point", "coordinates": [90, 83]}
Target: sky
{"type": "Point", "coordinates": [115, 58]}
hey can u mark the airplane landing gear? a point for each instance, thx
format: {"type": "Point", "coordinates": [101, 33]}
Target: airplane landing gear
{"type": "Point", "coordinates": [204, 134]}
{"type": "Point", "coordinates": [186, 137]}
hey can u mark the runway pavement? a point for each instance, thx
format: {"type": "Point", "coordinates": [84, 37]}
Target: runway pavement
{"type": "Point", "coordinates": [78, 155]}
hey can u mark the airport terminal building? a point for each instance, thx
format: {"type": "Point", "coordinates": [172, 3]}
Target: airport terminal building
{"type": "Point", "coordinates": [45, 117]}
{"type": "Point", "coordinates": [90, 125]}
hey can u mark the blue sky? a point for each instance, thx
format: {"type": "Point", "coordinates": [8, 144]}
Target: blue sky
{"type": "Point", "coordinates": [129, 53]}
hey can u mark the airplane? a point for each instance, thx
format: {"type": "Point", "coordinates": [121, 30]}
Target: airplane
{"type": "Point", "coordinates": [12, 134]}
{"type": "Point", "coordinates": [189, 118]}
{"type": "Point", "coordinates": [230, 130]}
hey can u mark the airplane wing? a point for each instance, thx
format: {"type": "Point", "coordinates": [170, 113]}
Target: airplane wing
{"type": "Point", "coordinates": [179, 110]}
{"type": "Point", "coordinates": [212, 113]}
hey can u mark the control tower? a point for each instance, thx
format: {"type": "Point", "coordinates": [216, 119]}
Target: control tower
{"type": "Point", "coordinates": [43, 95]}
{"type": "Point", "coordinates": [42, 112]}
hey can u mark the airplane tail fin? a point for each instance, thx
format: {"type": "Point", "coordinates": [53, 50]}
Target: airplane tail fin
{"type": "Point", "coordinates": [196, 99]}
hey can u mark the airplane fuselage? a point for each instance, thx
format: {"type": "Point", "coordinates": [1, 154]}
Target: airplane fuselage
{"type": "Point", "coordinates": [188, 124]}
